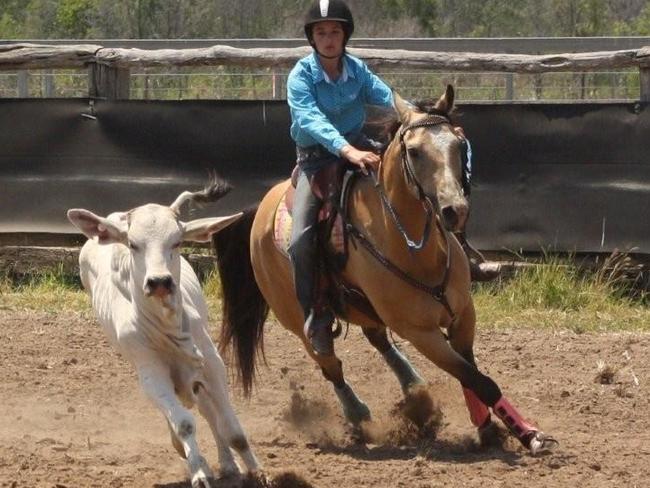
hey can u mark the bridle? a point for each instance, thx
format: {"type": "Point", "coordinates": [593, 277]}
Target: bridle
{"type": "Point", "coordinates": [431, 207]}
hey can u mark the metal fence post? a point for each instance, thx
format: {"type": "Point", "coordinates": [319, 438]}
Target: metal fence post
{"type": "Point", "coordinates": [644, 83]}
{"type": "Point", "coordinates": [108, 82]}
{"type": "Point", "coordinates": [510, 86]}
{"type": "Point", "coordinates": [23, 84]}
{"type": "Point", "coordinates": [48, 83]}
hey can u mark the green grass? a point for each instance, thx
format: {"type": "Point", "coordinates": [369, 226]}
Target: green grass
{"type": "Point", "coordinates": [51, 290]}
{"type": "Point", "coordinates": [557, 294]}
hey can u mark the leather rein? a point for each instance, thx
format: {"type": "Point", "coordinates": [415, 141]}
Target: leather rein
{"type": "Point", "coordinates": [438, 292]}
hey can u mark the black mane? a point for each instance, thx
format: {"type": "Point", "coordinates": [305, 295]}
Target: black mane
{"type": "Point", "coordinates": [382, 124]}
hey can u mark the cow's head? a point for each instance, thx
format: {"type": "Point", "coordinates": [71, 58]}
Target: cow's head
{"type": "Point", "coordinates": [154, 234]}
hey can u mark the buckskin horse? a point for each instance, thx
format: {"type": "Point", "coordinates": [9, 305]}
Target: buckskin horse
{"type": "Point", "coordinates": [417, 289]}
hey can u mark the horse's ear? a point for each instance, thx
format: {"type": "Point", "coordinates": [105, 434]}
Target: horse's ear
{"type": "Point", "coordinates": [402, 107]}
{"type": "Point", "coordinates": [446, 102]}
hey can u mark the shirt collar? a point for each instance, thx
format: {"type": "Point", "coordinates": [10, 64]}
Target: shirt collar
{"type": "Point", "coordinates": [318, 74]}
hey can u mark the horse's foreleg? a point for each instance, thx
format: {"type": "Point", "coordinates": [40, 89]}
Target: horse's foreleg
{"type": "Point", "coordinates": [433, 345]}
{"type": "Point", "coordinates": [406, 374]}
{"type": "Point", "coordinates": [354, 409]}
{"type": "Point", "coordinates": [461, 339]}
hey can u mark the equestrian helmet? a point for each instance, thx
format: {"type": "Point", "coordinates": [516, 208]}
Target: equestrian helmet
{"type": "Point", "coordinates": [335, 10]}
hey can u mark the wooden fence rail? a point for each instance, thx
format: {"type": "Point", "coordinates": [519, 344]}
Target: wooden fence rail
{"type": "Point", "coordinates": [109, 67]}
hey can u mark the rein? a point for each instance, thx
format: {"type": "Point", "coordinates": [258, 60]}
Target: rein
{"type": "Point", "coordinates": [430, 121]}
{"type": "Point", "coordinates": [436, 292]}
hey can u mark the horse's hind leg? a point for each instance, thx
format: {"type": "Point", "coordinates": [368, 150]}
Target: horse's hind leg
{"type": "Point", "coordinates": [354, 409]}
{"type": "Point", "coordinates": [433, 345]}
{"type": "Point", "coordinates": [407, 376]}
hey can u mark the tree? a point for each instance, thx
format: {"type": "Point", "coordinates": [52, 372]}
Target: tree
{"type": "Point", "coordinates": [74, 18]}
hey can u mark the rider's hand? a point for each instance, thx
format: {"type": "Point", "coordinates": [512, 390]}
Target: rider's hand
{"type": "Point", "coordinates": [362, 159]}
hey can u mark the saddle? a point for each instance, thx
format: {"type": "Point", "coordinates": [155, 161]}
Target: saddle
{"type": "Point", "coordinates": [332, 186]}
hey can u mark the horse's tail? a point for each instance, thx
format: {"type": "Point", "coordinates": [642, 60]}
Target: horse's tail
{"type": "Point", "coordinates": [244, 308]}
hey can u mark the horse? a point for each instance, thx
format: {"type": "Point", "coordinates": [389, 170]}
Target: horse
{"type": "Point", "coordinates": [403, 257]}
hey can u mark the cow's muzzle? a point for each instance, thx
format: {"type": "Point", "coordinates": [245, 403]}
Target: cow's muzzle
{"type": "Point", "coordinates": [159, 286]}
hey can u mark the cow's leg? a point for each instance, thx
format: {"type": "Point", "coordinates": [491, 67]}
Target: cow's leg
{"type": "Point", "coordinates": [215, 406]}
{"type": "Point", "coordinates": [407, 375]}
{"type": "Point", "coordinates": [157, 384]}
{"type": "Point", "coordinates": [227, 464]}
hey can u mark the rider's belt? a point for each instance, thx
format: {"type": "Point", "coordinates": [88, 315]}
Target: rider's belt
{"type": "Point", "coordinates": [312, 152]}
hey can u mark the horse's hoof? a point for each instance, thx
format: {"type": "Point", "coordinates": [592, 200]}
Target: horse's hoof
{"type": "Point", "coordinates": [201, 481]}
{"type": "Point", "coordinates": [360, 414]}
{"type": "Point", "coordinates": [541, 442]}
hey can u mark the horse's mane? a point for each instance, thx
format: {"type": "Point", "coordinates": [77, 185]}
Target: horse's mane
{"type": "Point", "coordinates": [382, 123]}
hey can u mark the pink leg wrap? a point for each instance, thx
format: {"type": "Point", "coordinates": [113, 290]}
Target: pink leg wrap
{"type": "Point", "coordinates": [478, 412]}
{"type": "Point", "coordinates": [514, 421]}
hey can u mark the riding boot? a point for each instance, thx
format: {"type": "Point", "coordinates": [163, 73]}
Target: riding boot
{"type": "Point", "coordinates": [303, 252]}
{"type": "Point", "coordinates": [479, 268]}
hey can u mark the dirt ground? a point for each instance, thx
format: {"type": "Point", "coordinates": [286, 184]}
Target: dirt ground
{"type": "Point", "coordinates": [72, 414]}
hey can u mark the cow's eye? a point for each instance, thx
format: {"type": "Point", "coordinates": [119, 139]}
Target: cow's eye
{"type": "Point", "coordinates": [133, 246]}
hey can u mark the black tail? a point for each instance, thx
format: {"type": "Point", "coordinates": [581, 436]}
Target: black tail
{"type": "Point", "coordinates": [244, 307]}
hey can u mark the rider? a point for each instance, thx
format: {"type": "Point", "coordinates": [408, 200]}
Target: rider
{"type": "Point", "coordinates": [327, 92]}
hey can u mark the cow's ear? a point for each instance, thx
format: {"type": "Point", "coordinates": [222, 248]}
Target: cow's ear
{"type": "Point", "coordinates": [201, 230]}
{"type": "Point", "coordinates": [107, 231]}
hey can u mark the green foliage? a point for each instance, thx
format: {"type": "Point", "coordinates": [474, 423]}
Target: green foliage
{"type": "Point", "coordinates": [560, 294]}
{"type": "Point", "coordinates": [173, 19]}
{"type": "Point", "coordinates": [73, 17]}
{"type": "Point", "coordinates": [49, 290]}
{"type": "Point", "coordinates": [9, 27]}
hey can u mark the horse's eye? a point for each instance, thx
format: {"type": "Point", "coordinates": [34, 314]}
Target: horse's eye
{"type": "Point", "coordinates": [177, 245]}
{"type": "Point", "coordinates": [133, 246]}
{"type": "Point", "coordinates": [413, 152]}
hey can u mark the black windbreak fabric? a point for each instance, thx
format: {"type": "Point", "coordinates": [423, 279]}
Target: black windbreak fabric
{"type": "Point", "coordinates": [565, 177]}
{"type": "Point", "coordinates": [54, 157]}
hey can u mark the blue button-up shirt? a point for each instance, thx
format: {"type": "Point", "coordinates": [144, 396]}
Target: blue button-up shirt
{"type": "Point", "coordinates": [325, 111]}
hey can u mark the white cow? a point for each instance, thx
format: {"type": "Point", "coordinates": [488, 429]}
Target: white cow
{"type": "Point", "coordinates": [150, 304]}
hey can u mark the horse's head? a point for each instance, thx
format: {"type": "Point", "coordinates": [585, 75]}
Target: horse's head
{"type": "Point", "coordinates": [431, 155]}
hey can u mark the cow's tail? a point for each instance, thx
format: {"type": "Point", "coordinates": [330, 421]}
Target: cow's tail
{"type": "Point", "coordinates": [244, 308]}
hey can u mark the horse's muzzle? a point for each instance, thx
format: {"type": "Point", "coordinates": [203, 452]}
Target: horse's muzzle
{"type": "Point", "coordinates": [455, 216]}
